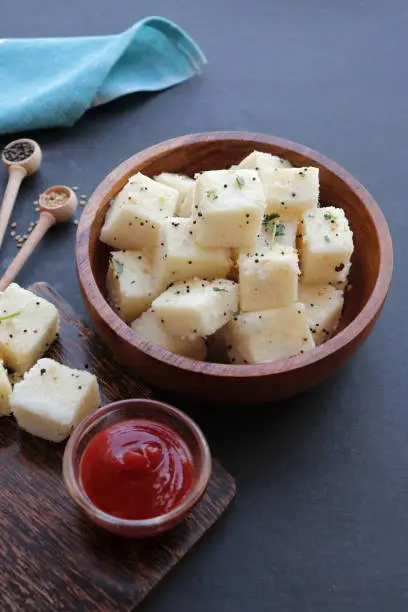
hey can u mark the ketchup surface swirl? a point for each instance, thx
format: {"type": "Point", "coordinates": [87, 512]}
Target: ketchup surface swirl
{"type": "Point", "coordinates": [137, 469]}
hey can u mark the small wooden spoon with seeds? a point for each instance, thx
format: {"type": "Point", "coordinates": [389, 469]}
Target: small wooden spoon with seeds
{"type": "Point", "coordinates": [21, 157]}
{"type": "Point", "coordinates": [57, 204]}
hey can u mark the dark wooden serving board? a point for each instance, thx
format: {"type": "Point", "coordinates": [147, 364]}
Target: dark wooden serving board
{"type": "Point", "coordinates": [50, 557]}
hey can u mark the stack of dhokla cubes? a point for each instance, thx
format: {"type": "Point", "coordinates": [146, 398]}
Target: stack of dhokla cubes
{"type": "Point", "coordinates": [51, 398]}
{"type": "Point", "coordinates": [243, 256]}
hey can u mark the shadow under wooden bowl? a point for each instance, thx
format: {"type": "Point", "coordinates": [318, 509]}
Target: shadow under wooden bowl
{"type": "Point", "coordinates": [224, 383]}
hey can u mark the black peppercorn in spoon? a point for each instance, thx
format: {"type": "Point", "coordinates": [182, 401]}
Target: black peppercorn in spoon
{"type": "Point", "coordinates": [21, 157]}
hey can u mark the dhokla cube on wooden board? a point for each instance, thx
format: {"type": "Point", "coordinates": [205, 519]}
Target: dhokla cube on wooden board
{"type": "Point", "coordinates": [147, 327]}
{"type": "Point", "coordinates": [323, 304]}
{"type": "Point", "coordinates": [5, 391]}
{"type": "Point", "coordinates": [180, 257]}
{"type": "Point", "coordinates": [137, 213]}
{"type": "Point", "coordinates": [268, 335]}
{"type": "Point", "coordinates": [52, 399]}
{"type": "Point", "coordinates": [228, 208]}
{"type": "Point", "coordinates": [185, 187]}
{"type": "Point", "coordinates": [326, 245]}
{"type": "Point", "coordinates": [290, 191]}
{"type": "Point", "coordinates": [262, 161]}
{"type": "Point", "coordinates": [130, 283]}
{"type": "Point", "coordinates": [28, 325]}
{"type": "Point", "coordinates": [268, 278]}
{"type": "Point", "coordinates": [196, 307]}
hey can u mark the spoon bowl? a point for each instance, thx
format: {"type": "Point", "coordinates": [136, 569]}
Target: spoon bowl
{"type": "Point", "coordinates": [30, 163]}
{"type": "Point", "coordinates": [57, 204]}
{"type": "Point", "coordinates": [61, 209]}
{"type": "Point", "coordinates": [18, 170]}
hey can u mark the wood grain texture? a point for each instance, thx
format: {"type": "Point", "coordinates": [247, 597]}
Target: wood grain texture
{"type": "Point", "coordinates": [51, 559]}
{"type": "Point", "coordinates": [225, 383]}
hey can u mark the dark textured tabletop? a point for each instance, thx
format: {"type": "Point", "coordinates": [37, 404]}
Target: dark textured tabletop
{"type": "Point", "coordinates": [320, 521]}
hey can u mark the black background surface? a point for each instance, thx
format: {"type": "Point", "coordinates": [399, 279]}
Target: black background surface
{"type": "Point", "coordinates": [320, 521]}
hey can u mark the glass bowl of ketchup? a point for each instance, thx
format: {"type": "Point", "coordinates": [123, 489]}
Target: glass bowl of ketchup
{"type": "Point", "coordinates": [136, 467]}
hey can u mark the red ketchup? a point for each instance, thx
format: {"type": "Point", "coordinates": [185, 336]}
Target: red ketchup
{"type": "Point", "coordinates": [137, 469]}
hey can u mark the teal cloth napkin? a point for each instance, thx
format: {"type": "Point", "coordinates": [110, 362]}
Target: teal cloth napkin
{"type": "Point", "coordinates": [50, 82]}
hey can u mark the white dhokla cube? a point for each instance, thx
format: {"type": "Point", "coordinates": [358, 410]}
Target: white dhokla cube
{"type": "Point", "coordinates": [228, 208]}
{"type": "Point", "coordinates": [290, 191]}
{"type": "Point", "coordinates": [137, 213]}
{"type": "Point", "coordinates": [323, 304]}
{"type": "Point", "coordinates": [268, 335]}
{"type": "Point", "coordinates": [262, 161]}
{"type": "Point", "coordinates": [180, 257]}
{"type": "Point", "coordinates": [196, 307]}
{"type": "Point", "coordinates": [185, 187]}
{"type": "Point", "coordinates": [130, 284]}
{"type": "Point", "coordinates": [148, 328]}
{"type": "Point", "coordinates": [28, 325]}
{"type": "Point", "coordinates": [326, 245]}
{"type": "Point", "coordinates": [5, 390]}
{"type": "Point", "coordinates": [268, 278]}
{"type": "Point", "coordinates": [52, 399]}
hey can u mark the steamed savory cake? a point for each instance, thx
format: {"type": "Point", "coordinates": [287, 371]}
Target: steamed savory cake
{"type": "Point", "coordinates": [326, 245]}
{"type": "Point", "coordinates": [52, 398]}
{"type": "Point", "coordinates": [28, 326]}
{"type": "Point", "coordinates": [244, 259]}
{"type": "Point", "coordinates": [130, 283]}
{"type": "Point", "coordinates": [180, 257]}
{"type": "Point", "coordinates": [228, 209]}
{"type": "Point", "coordinates": [268, 335]}
{"type": "Point", "coordinates": [149, 328]}
{"type": "Point", "coordinates": [137, 213]}
{"type": "Point", "coordinates": [196, 307]}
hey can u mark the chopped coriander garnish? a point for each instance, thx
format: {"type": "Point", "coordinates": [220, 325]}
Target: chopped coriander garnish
{"type": "Point", "coordinates": [219, 289]}
{"type": "Point", "coordinates": [10, 316]}
{"type": "Point", "coordinates": [270, 217]}
{"type": "Point", "coordinates": [162, 200]}
{"type": "Point", "coordinates": [270, 225]}
{"type": "Point", "coordinates": [239, 181]}
{"type": "Point", "coordinates": [211, 194]}
{"type": "Point", "coordinates": [327, 239]}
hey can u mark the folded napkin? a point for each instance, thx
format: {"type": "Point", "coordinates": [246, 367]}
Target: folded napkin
{"type": "Point", "coordinates": [51, 82]}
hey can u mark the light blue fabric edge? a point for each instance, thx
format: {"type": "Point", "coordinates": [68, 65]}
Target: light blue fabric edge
{"type": "Point", "coordinates": [182, 42]}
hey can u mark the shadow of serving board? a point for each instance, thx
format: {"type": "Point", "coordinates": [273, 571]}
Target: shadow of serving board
{"type": "Point", "coordinates": [50, 557]}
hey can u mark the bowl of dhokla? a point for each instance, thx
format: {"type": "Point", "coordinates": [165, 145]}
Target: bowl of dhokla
{"type": "Point", "coordinates": [232, 268]}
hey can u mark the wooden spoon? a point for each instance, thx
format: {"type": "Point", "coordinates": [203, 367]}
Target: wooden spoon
{"type": "Point", "coordinates": [18, 170]}
{"type": "Point", "coordinates": [51, 212]}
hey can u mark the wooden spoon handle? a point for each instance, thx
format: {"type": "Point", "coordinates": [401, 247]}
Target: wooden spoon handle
{"type": "Point", "coordinates": [16, 175]}
{"type": "Point", "coordinates": [45, 221]}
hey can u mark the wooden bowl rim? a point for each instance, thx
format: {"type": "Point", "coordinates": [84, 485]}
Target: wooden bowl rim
{"type": "Point", "coordinates": [291, 364]}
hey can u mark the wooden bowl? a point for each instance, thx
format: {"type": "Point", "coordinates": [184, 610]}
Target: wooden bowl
{"type": "Point", "coordinates": [224, 383]}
